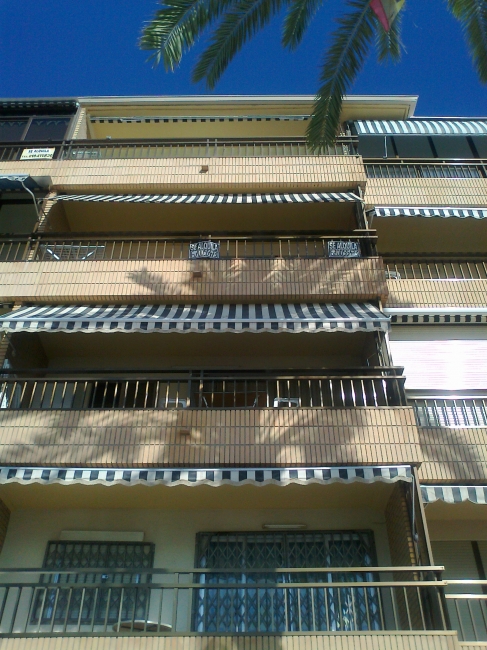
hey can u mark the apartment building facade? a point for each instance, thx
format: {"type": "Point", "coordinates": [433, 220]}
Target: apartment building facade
{"type": "Point", "coordinates": [243, 394]}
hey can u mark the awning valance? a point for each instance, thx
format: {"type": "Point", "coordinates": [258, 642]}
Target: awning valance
{"type": "Point", "coordinates": [206, 476]}
{"type": "Point", "coordinates": [455, 493]}
{"type": "Point", "coordinates": [435, 315]}
{"type": "Point", "coordinates": [462, 213]}
{"type": "Point", "coordinates": [421, 127]}
{"type": "Point", "coordinates": [297, 317]}
{"type": "Point", "coordinates": [315, 197]}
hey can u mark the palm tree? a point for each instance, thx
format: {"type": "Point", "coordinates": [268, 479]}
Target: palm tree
{"type": "Point", "coordinates": [178, 24]}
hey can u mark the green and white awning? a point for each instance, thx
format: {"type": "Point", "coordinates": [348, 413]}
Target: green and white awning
{"type": "Point", "coordinates": [205, 476]}
{"type": "Point", "coordinates": [421, 127]}
{"type": "Point", "coordinates": [454, 493]}
{"type": "Point", "coordinates": [295, 317]}
{"type": "Point", "coordinates": [408, 211]}
{"type": "Point", "coordinates": [222, 199]}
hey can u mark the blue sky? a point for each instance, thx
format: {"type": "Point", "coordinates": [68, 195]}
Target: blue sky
{"type": "Point", "coordinates": [68, 48]}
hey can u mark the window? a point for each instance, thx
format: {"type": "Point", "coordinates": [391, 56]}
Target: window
{"type": "Point", "coordinates": [217, 608]}
{"type": "Point", "coordinates": [102, 606]}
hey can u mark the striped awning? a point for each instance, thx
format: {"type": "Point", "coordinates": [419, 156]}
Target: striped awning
{"type": "Point", "coordinates": [315, 197]}
{"type": "Point", "coordinates": [436, 315]}
{"type": "Point", "coordinates": [421, 127]}
{"type": "Point", "coordinates": [166, 119]}
{"type": "Point", "coordinates": [297, 317]}
{"type": "Point", "coordinates": [206, 476]}
{"type": "Point", "coordinates": [462, 213]}
{"type": "Point", "coordinates": [454, 493]}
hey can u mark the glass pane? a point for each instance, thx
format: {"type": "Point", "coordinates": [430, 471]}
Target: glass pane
{"type": "Point", "coordinates": [47, 128]}
{"type": "Point", "coordinates": [12, 130]}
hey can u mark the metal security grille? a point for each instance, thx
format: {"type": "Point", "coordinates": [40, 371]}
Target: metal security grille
{"type": "Point", "coordinates": [275, 609]}
{"type": "Point", "coordinates": [101, 606]}
{"type": "Point", "coordinates": [451, 412]}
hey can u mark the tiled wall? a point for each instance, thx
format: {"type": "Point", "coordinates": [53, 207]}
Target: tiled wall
{"type": "Point", "coordinates": [426, 191]}
{"type": "Point", "coordinates": [149, 175]}
{"type": "Point", "coordinates": [453, 455]}
{"type": "Point", "coordinates": [437, 293]}
{"type": "Point", "coordinates": [294, 280]}
{"type": "Point", "coordinates": [262, 437]}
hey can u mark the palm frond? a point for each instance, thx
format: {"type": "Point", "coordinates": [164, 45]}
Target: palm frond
{"type": "Point", "coordinates": [176, 27]}
{"type": "Point", "coordinates": [238, 25]}
{"type": "Point", "coordinates": [472, 14]}
{"type": "Point", "coordinates": [298, 18]}
{"type": "Point", "coordinates": [389, 44]}
{"type": "Point", "coordinates": [343, 61]}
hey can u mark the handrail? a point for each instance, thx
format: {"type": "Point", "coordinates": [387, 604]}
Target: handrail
{"type": "Point", "coordinates": [165, 570]}
{"type": "Point", "coordinates": [215, 390]}
{"type": "Point", "coordinates": [217, 601]}
{"type": "Point", "coordinates": [106, 246]}
{"type": "Point", "coordinates": [467, 611]}
{"type": "Point", "coordinates": [173, 148]}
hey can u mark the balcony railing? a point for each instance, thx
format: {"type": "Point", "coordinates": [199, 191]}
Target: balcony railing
{"type": "Point", "coordinates": [468, 610]}
{"type": "Point", "coordinates": [112, 602]}
{"type": "Point", "coordinates": [451, 412]}
{"type": "Point", "coordinates": [436, 268]}
{"type": "Point", "coordinates": [105, 246]}
{"type": "Point", "coordinates": [205, 389]}
{"type": "Point", "coordinates": [426, 169]}
{"type": "Point", "coordinates": [197, 148]}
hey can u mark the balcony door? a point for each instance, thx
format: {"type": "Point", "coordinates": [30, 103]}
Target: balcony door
{"type": "Point", "coordinates": [284, 609]}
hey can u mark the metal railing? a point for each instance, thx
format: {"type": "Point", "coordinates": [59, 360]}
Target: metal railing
{"type": "Point", "coordinates": [113, 602]}
{"type": "Point", "coordinates": [205, 389]}
{"type": "Point", "coordinates": [451, 412]}
{"type": "Point", "coordinates": [184, 148]}
{"type": "Point", "coordinates": [436, 268]}
{"type": "Point", "coordinates": [468, 611]}
{"type": "Point", "coordinates": [103, 246]}
{"type": "Point", "coordinates": [426, 169]}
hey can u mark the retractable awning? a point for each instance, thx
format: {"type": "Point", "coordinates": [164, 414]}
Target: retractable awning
{"type": "Point", "coordinates": [207, 476]}
{"type": "Point", "coordinates": [297, 317]}
{"type": "Point", "coordinates": [435, 315]}
{"type": "Point", "coordinates": [24, 181]}
{"type": "Point", "coordinates": [315, 197]}
{"type": "Point", "coordinates": [421, 127]}
{"type": "Point", "coordinates": [462, 213]}
{"type": "Point", "coordinates": [455, 493]}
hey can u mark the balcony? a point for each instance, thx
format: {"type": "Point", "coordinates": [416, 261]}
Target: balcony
{"type": "Point", "coordinates": [426, 182]}
{"type": "Point", "coordinates": [230, 601]}
{"type": "Point", "coordinates": [209, 418]}
{"type": "Point", "coordinates": [452, 432]}
{"type": "Point", "coordinates": [228, 165]}
{"type": "Point", "coordinates": [436, 281]}
{"type": "Point", "coordinates": [105, 267]}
